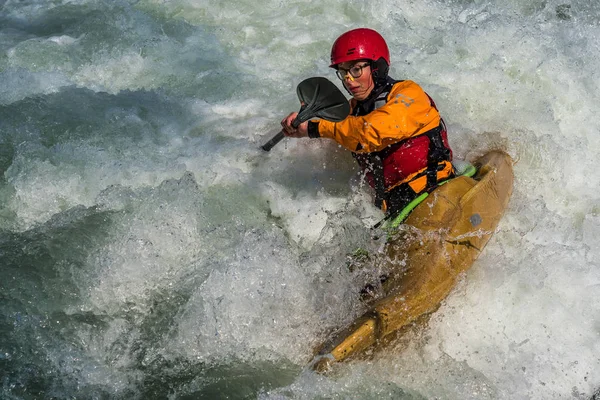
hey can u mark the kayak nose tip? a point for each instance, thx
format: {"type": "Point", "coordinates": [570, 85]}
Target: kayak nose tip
{"type": "Point", "coordinates": [322, 363]}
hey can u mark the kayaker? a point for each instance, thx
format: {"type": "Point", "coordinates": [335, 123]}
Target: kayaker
{"type": "Point", "coordinates": [394, 129]}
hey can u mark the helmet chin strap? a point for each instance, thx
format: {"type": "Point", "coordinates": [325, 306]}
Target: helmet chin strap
{"type": "Point", "coordinates": [379, 70]}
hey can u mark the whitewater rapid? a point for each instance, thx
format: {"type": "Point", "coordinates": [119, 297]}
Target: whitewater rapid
{"type": "Point", "coordinates": [150, 249]}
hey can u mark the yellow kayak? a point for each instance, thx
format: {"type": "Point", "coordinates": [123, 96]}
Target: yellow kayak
{"type": "Point", "coordinates": [440, 239]}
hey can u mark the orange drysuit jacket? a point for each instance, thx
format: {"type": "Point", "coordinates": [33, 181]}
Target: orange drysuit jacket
{"type": "Point", "coordinates": [407, 113]}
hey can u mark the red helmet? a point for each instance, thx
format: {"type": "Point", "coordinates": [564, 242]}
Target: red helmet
{"type": "Point", "coordinates": [357, 44]}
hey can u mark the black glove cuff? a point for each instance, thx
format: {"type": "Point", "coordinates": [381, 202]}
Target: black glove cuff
{"type": "Point", "coordinates": [313, 130]}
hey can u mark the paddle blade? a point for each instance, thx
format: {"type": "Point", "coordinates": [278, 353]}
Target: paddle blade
{"type": "Point", "coordinates": [322, 99]}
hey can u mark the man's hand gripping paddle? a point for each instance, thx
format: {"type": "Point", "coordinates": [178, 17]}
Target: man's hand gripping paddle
{"type": "Point", "coordinates": [320, 99]}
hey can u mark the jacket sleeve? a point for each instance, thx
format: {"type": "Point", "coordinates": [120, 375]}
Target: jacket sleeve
{"type": "Point", "coordinates": [407, 113]}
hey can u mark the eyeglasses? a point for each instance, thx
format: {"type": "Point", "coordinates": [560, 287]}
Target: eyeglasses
{"type": "Point", "coordinates": [355, 71]}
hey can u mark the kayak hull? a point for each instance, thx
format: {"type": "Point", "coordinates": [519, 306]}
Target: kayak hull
{"type": "Point", "coordinates": [439, 240]}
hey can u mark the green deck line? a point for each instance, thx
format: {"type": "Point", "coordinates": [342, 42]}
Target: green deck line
{"type": "Point", "coordinates": [470, 171]}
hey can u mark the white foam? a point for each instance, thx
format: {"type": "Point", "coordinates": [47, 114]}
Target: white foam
{"type": "Point", "coordinates": [63, 40]}
{"type": "Point", "coordinates": [303, 216]}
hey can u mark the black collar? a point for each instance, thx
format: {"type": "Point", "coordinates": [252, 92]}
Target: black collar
{"type": "Point", "coordinates": [367, 105]}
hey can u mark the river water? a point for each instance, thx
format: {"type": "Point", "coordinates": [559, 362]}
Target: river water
{"type": "Point", "coordinates": [149, 249]}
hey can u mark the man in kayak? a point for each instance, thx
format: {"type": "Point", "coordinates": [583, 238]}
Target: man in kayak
{"type": "Point", "coordinates": [394, 129]}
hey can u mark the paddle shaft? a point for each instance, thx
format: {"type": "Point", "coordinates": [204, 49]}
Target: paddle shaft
{"type": "Point", "coordinates": [277, 138]}
{"type": "Point", "coordinates": [271, 143]}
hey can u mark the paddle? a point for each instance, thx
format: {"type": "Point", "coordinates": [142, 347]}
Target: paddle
{"type": "Point", "coordinates": [320, 99]}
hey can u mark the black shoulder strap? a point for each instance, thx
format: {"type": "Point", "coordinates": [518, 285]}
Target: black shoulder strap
{"type": "Point", "coordinates": [376, 159]}
{"type": "Point", "coordinates": [378, 180]}
{"type": "Point", "coordinates": [438, 152]}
